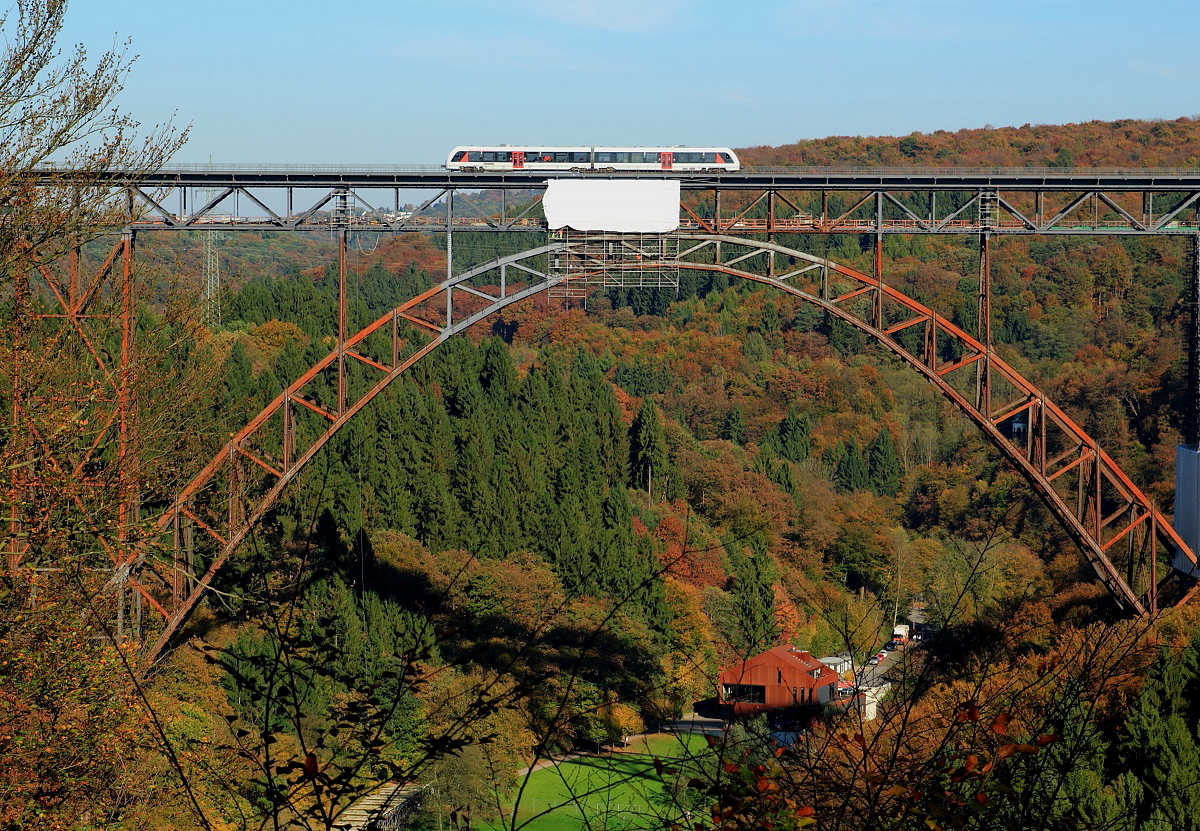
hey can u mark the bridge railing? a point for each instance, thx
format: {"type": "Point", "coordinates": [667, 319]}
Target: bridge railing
{"type": "Point", "coordinates": [790, 170]}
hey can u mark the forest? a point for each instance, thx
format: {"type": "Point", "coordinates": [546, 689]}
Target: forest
{"type": "Point", "coordinates": [552, 533]}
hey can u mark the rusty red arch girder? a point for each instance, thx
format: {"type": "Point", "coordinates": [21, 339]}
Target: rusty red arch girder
{"type": "Point", "coordinates": [1109, 509]}
{"type": "Point", "coordinates": [239, 520]}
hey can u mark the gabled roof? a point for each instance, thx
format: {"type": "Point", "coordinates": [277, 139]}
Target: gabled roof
{"type": "Point", "coordinates": [802, 658]}
{"type": "Point", "coordinates": [786, 655]}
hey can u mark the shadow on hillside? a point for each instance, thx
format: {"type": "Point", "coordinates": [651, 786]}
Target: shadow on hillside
{"type": "Point", "coordinates": [578, 642]}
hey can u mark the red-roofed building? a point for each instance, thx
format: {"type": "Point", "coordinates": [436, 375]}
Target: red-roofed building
{"type": "Point", "coordinates": [776, 679]}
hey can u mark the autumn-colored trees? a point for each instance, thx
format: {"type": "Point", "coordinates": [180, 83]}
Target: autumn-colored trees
{"type": "Point", "coordinates": [541, 542]}
{"type": "Point", "coordinates": [1123, 143]}
{"type": "Point", "coordinates": [73, 733]}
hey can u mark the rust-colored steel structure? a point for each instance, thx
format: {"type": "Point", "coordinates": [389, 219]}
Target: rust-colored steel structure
{"type": "Point", "coordinates": [758, 200]}
{"type": "Point", "coordinates": [79, 427]}
{"type": "Point", "coordinates": [743, 225]}
{"type": "Point", "coordinates": [1117, 527]}
{"type": "Point", "coordinates": [1101, 508]}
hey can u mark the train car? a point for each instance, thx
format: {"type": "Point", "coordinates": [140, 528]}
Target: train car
{"type": "Point", "coordinates": [519, 158]}
{"type": "Point", "coordinates": [606, 159]}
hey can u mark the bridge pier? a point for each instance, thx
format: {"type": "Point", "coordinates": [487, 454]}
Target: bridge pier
{"type": "Point", "coordinates": [983, 376]}
{"type": "Point", "coordinates": [1080, 471]}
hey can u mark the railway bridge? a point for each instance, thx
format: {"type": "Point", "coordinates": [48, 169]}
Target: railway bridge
{"type": "Point", "coordinates": [749, 224]}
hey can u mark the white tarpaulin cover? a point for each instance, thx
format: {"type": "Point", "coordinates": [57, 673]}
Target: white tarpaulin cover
{"type": "Point", "coordinates": [647, 206]}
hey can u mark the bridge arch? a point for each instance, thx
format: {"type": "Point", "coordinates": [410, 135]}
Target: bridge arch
{"type": "Point", "coordinates": [1102, 510]}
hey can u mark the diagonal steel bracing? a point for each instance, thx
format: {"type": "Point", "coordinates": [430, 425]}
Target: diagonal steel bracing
{"type": "Point", "coordinates": [733, 222]}
{"type": "Point", "coordinates": [767, 200]}
{"type": "Point", "coordinates": [1116, 526]}
{"type": "Point", "coordinates": [245, 510]}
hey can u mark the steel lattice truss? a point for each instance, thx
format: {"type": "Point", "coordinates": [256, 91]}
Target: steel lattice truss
{"type": "Point", "coordinates": [1115, 524]}
{"type": "Point", "coordinates": [734, 223]}
{"type": "Point", "coordinates": [769, 200]}
{"type": "Point", "coordinates": [232, 493]}
{"type": "Point", "coordinates": [1118, 528]}
{"type": "Point", "coordinates": [984, 210]}
{"type": "Point", "coordinates": [72, 356]}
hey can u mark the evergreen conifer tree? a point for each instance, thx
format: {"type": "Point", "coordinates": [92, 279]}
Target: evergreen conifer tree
{"type": "Point", "coordinates": [1159, 751]}
{"type": "Point", "coordinates": [647, 449]}
{"type": "Point", "coordinates": [883, 464]}
{"type": "Point", "coordinates": [734, 428]}
{"type": "Point", "coordinates": [497, 374]}
{"type": "Point", "coordinates": [753, 600]}
{"type": "Point", "coordinates": [794, 437]}
{"type": "Point", "coordinates": [851, 473]}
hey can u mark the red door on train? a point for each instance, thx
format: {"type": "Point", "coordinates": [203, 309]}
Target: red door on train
{"type": "Point", "coordinates": [667, 159]}
{"type": "Point", "coordinates": [518, 159]}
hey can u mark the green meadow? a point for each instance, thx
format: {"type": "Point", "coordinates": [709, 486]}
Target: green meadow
{"type": "Point", "coordinates": [611, 791]}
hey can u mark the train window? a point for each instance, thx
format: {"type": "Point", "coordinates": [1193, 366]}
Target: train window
{"type": "Point", "coordinates": [604, 158]}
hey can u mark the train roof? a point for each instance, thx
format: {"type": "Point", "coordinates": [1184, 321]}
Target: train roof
{"type": "Point", "coordinates": [592, 147]}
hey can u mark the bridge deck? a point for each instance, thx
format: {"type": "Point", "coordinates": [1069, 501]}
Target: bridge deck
{"type": "Point", "coordinates": [384, 808]}
{"type": "Point", "coordinates": [774, 178]}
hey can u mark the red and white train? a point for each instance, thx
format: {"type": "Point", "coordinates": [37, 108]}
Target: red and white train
{"type": "Point", "coordinates": [531, 157]}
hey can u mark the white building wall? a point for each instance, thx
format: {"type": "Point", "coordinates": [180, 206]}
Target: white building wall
{"type": "Point", "coordinates": [1187, 504]}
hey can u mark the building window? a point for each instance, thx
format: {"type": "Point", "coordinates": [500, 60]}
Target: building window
{"type": "Point", "coordinates": [744, 693]}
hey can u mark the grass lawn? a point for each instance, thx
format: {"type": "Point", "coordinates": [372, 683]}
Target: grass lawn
{"type": "Point", "coordinates": [611, 791]}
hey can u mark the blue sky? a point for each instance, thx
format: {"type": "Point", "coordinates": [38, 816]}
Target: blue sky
{"type": "Point", "coordinates": [375, 82]}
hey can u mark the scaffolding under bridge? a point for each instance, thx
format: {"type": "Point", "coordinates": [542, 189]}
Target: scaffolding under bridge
{"type": "Point", "coordinates": [612, 260]}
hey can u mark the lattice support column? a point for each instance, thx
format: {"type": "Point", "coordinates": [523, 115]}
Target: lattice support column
{"type": "Point", "coordinates": [877, 311]}
{"type": "Point", "coordinates": [341, 341]}
{"type": "Point", "coordinates": [1191, 333]}
{"type": "Point", "coordinates": [983, 388]}
{"type": "Point", "coordinates": [126, 415]}
{"type": "Point", "coordinates": [19, 488]}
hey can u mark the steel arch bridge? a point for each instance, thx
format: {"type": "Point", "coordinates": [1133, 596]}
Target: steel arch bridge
{"type": "Point", "coordinates": [1117, 527]}
{"type": "Point", "coordinates": [1122, 534]}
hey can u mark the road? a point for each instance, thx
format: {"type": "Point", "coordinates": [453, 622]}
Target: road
{"type": "Point", "coordinates": [873, 676]}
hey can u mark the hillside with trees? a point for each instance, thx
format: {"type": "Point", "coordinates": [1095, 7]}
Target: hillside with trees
{"type": "Point", "coordinates": [552, 533]}
{"type": "Point", "coordinates": [686, 479]}
{"type": "Point", "coordinates": [1113, 144]}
